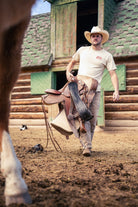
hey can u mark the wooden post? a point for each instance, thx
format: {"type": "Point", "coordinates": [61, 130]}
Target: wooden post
{"type": "Point", "coordinates": [53, 38]}
{"type": "Point", "coordinates": [101, 13]}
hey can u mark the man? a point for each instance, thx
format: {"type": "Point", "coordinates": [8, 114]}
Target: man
{"type": "Point", "coordinates": [93, 60]}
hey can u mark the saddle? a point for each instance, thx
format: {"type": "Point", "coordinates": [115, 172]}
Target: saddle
{"type": "Point", "coordinates": [73, 102]}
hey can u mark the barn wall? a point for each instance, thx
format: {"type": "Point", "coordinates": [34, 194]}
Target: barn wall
{"type": "Point", "coordinates": [26, 106]}
{"type": "Point", "coordinates": [124, 113]}
{"type": "Point", "coordinates": [27, 109]}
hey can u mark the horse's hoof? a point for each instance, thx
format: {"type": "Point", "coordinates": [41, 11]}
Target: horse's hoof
{"type": "Point", "coordinates": [22, 198]}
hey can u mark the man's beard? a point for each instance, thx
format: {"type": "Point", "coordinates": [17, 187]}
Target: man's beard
{"type": "Point", "coordinates": [96, 44]}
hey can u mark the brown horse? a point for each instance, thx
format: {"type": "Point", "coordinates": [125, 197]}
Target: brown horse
{"type": "Point", "coordinates": [15, 16]}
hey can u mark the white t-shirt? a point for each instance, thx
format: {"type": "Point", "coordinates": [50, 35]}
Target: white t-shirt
{"type": "Point", "coordinates": [93, 62]}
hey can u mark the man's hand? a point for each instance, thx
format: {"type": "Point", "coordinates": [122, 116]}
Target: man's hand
{"type": "Point", "coordinates": [70, 76]}
{"type": "Point", "coordinates": [115, 83]}
{"type": "Point", "coordinates": [115, 96]}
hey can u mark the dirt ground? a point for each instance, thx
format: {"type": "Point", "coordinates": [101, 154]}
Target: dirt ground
{"type": "Point", "coordinates": [68, 179]}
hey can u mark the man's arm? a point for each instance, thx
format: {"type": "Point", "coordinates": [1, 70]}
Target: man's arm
{"type": "Point", "coordinates": [69, 68]}
{"type": "Point", "coordinates": [115, 83]}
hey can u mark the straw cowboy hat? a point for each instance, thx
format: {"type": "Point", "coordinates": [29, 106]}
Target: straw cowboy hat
{"type": "Point", "coordinates": [94, 30]}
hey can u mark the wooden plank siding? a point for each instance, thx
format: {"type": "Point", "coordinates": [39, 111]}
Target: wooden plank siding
{"type": "Point", "coordinates": [124, 113]}
{"type": "Point", "coordinates": [25, 106]}
{"type": "Point", "coordinates": [65, 29]}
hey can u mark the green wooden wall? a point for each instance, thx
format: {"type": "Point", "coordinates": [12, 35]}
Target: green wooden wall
{"type": "Point", "coordinates": [63, 29]}
{"type": "Point", "coordinates": [41, 81]}
{"type": "Point", "coordinates": [106, 80]}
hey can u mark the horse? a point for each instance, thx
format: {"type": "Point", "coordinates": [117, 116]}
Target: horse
{"type": "Point", "coordinates": [15, 17]}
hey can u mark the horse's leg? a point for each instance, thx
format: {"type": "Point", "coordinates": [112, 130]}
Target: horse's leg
{"type": "Point", "coordinates": [15, 188]}
{"type": "Point", "coordinates": [10, 58]}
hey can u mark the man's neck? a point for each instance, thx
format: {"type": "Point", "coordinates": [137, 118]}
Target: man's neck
{"type": "Point", "coordinates": [97, 47]}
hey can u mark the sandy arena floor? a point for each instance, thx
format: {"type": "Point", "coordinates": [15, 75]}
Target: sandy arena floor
{"type": "Point", "coordinates": [68, 179]}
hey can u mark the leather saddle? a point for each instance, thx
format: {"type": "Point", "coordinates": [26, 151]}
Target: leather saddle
{"type": "Point", "coordinates": [73, 101]}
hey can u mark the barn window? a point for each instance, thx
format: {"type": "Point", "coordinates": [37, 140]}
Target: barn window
{"type": "Point", "coordinates": [87, 17]}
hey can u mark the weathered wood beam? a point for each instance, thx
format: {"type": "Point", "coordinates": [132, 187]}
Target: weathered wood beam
{"type": "Point", "coordinates": [26, 82]}
{"type": "Point", "coordinates": [53, 31]}
{"type": "Point", "coordinates": [101, 13]}
{"type": "Point", "coordinates": [31, 101]}
{"type": "Point", "coordinates": [130, 90]}
{"type": "Point", "coordinates": [28, 108]}
{"type": "Point", "coordinates": [21, 89]}
{"type": "Point", "coordinates": [28, 122]}
{"type": "Point", "coordinates": [121, 107]}
{"type": "Point", "coordinates": [122, 123]}
{"type": "Point", "coordinates": [123, 99]}
{"type": "Point", "coordinates": [132, 73]}
{"type": "Point", "coordinates": [132, 81]}
{"type": "Point", "coordinates": [20, 115]}
{"type": "Point", "coordinates": [121, 115]}
{"type": "Point", "coordinates": [23, 95]}
{"type": "Point", "coordinates": [24, 76]}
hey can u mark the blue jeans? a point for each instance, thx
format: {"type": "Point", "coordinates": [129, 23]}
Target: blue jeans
{"type": "Point", "coordinates": [86, 138]}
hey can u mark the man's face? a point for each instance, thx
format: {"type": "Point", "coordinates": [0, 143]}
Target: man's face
{"type": "Point", "coordinates": [96, 39]}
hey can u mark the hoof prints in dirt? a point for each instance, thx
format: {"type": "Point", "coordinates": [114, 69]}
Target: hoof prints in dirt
{"type": "Point", "coordinates": [75, 192]}
{"type": "Point", "coordinates": [106, 179]}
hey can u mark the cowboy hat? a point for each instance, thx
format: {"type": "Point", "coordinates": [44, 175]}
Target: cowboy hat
{"type": "Point", "coordinates": [94, 30]}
